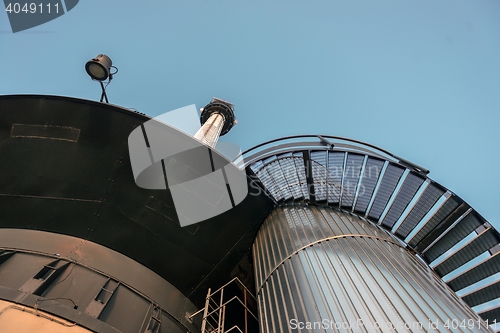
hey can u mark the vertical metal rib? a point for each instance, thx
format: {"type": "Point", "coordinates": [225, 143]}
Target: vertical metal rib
{"type": "Point", "coordinates": [427, 200]}
{"type": "Point", "coordinates": [452, 236]}
{"type": "Point", "coordinates": [320, 174]}
{"type": "Point", "coordinates": [482, 270]}
{"type": "Point", "coordinates": [335, 172]}
{"type": "Point", "coordinates": [481, 243]}
{"type": "Point", "coordinates": [483, 295]}
{"type": "Point", "coordinates": [351, 177]}
{"type": "Point", "coordinates": [451, 204]}
{"type": "Point", "coordinates": [405, 195]}
{"type": "Point", "coordinates": [371, 175]}
{"type": "Point", "coordinates": [389, 182]}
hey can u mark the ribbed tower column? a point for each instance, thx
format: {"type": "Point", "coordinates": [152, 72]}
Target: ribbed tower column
{"type": "Point", "coordinates": [322, 270]}
{"type": "Point", "coordinates": [209, 133]}
{"type": "Point", "coordinates": [217, 118]}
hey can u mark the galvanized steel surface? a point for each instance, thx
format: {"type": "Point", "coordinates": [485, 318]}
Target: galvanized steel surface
{"type": "Point", "coordinates": [332, 270]}
{"type": "Point", "coordinates": [391, 192]}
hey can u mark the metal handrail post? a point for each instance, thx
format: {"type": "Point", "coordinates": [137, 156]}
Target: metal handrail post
{"type": "Point", "coordinates": [204, 319]}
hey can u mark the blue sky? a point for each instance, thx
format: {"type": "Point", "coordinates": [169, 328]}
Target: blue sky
{"type": "Point", "coordinates": [418, 78]}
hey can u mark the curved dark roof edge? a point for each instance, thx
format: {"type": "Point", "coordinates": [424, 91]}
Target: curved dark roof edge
{"type": "Point", "coordinates": [80, 101]}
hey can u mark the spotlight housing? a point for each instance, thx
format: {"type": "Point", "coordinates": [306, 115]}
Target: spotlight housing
{"type": "Point", "coordinates": [98, 68]}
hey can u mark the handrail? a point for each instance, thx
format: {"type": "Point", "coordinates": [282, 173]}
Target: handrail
{"type": "Point", "coordinates": [318, 136]}
{"type": "Point", "coordinates": [260, 151]}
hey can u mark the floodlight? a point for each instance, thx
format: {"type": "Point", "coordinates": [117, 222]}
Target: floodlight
{"type": "Point", "coordinates": [98, 67]}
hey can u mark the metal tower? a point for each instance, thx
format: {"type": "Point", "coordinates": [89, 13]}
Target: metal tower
{"type": "Point", "coordinates": [217, 118]}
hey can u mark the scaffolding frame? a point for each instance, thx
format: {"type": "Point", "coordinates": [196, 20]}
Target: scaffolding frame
{"type": "Point", "coordinates": [214, 312]}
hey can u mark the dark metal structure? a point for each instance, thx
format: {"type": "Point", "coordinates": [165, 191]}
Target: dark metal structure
{"type": "Point", "coordinates": [77, 230]}
{"type": "Point", "coordinates": [80, 240]}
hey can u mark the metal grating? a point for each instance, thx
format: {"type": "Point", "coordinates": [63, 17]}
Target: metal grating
{"type": "Point", "coordinates": [268, 182]}
{"type": "Point", "coordinates": [424, 204]}
{"type": "Point", "coordinates": [288, 168]}
{"type": "Point", "coordinates": [446, 209]}
{"type": "Point", "coordinates": [335, 172]}
{"type": "Point", "coordinates": [483, 242]}
{"type": "Point", "coordinates": [443, 227]}
{"type": "Point", "coordinates": [483, 295]}
{"type": "Point", "coordinates": [320, 174]}
{"type": "Point", "coordinates": [453, 236]}
{"type": "Point", "coordinates": [371, 174]}
{"type": "Point", "coordinates": [491, 315]}
{"type": "Point", "coordinates": [405, 195]}
{"type": "Point", "coordinates": [276, 172]}
{"type": "Point", "coordinates": [284, 177]}
{"type": "Point", "coordinates": [352, 173]}
{"type": "Point", "coordinates": [389, 182]}
{"type": "Point", "coordinates": [476, 273]}
{"type": "Point", "coordinates": [301, 174]}
{"type": "Point", "coordinates": [256, 166]}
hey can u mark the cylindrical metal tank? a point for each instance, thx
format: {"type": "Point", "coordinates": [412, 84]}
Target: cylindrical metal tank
{"type": "Point", "coordinates": [319, 269]}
